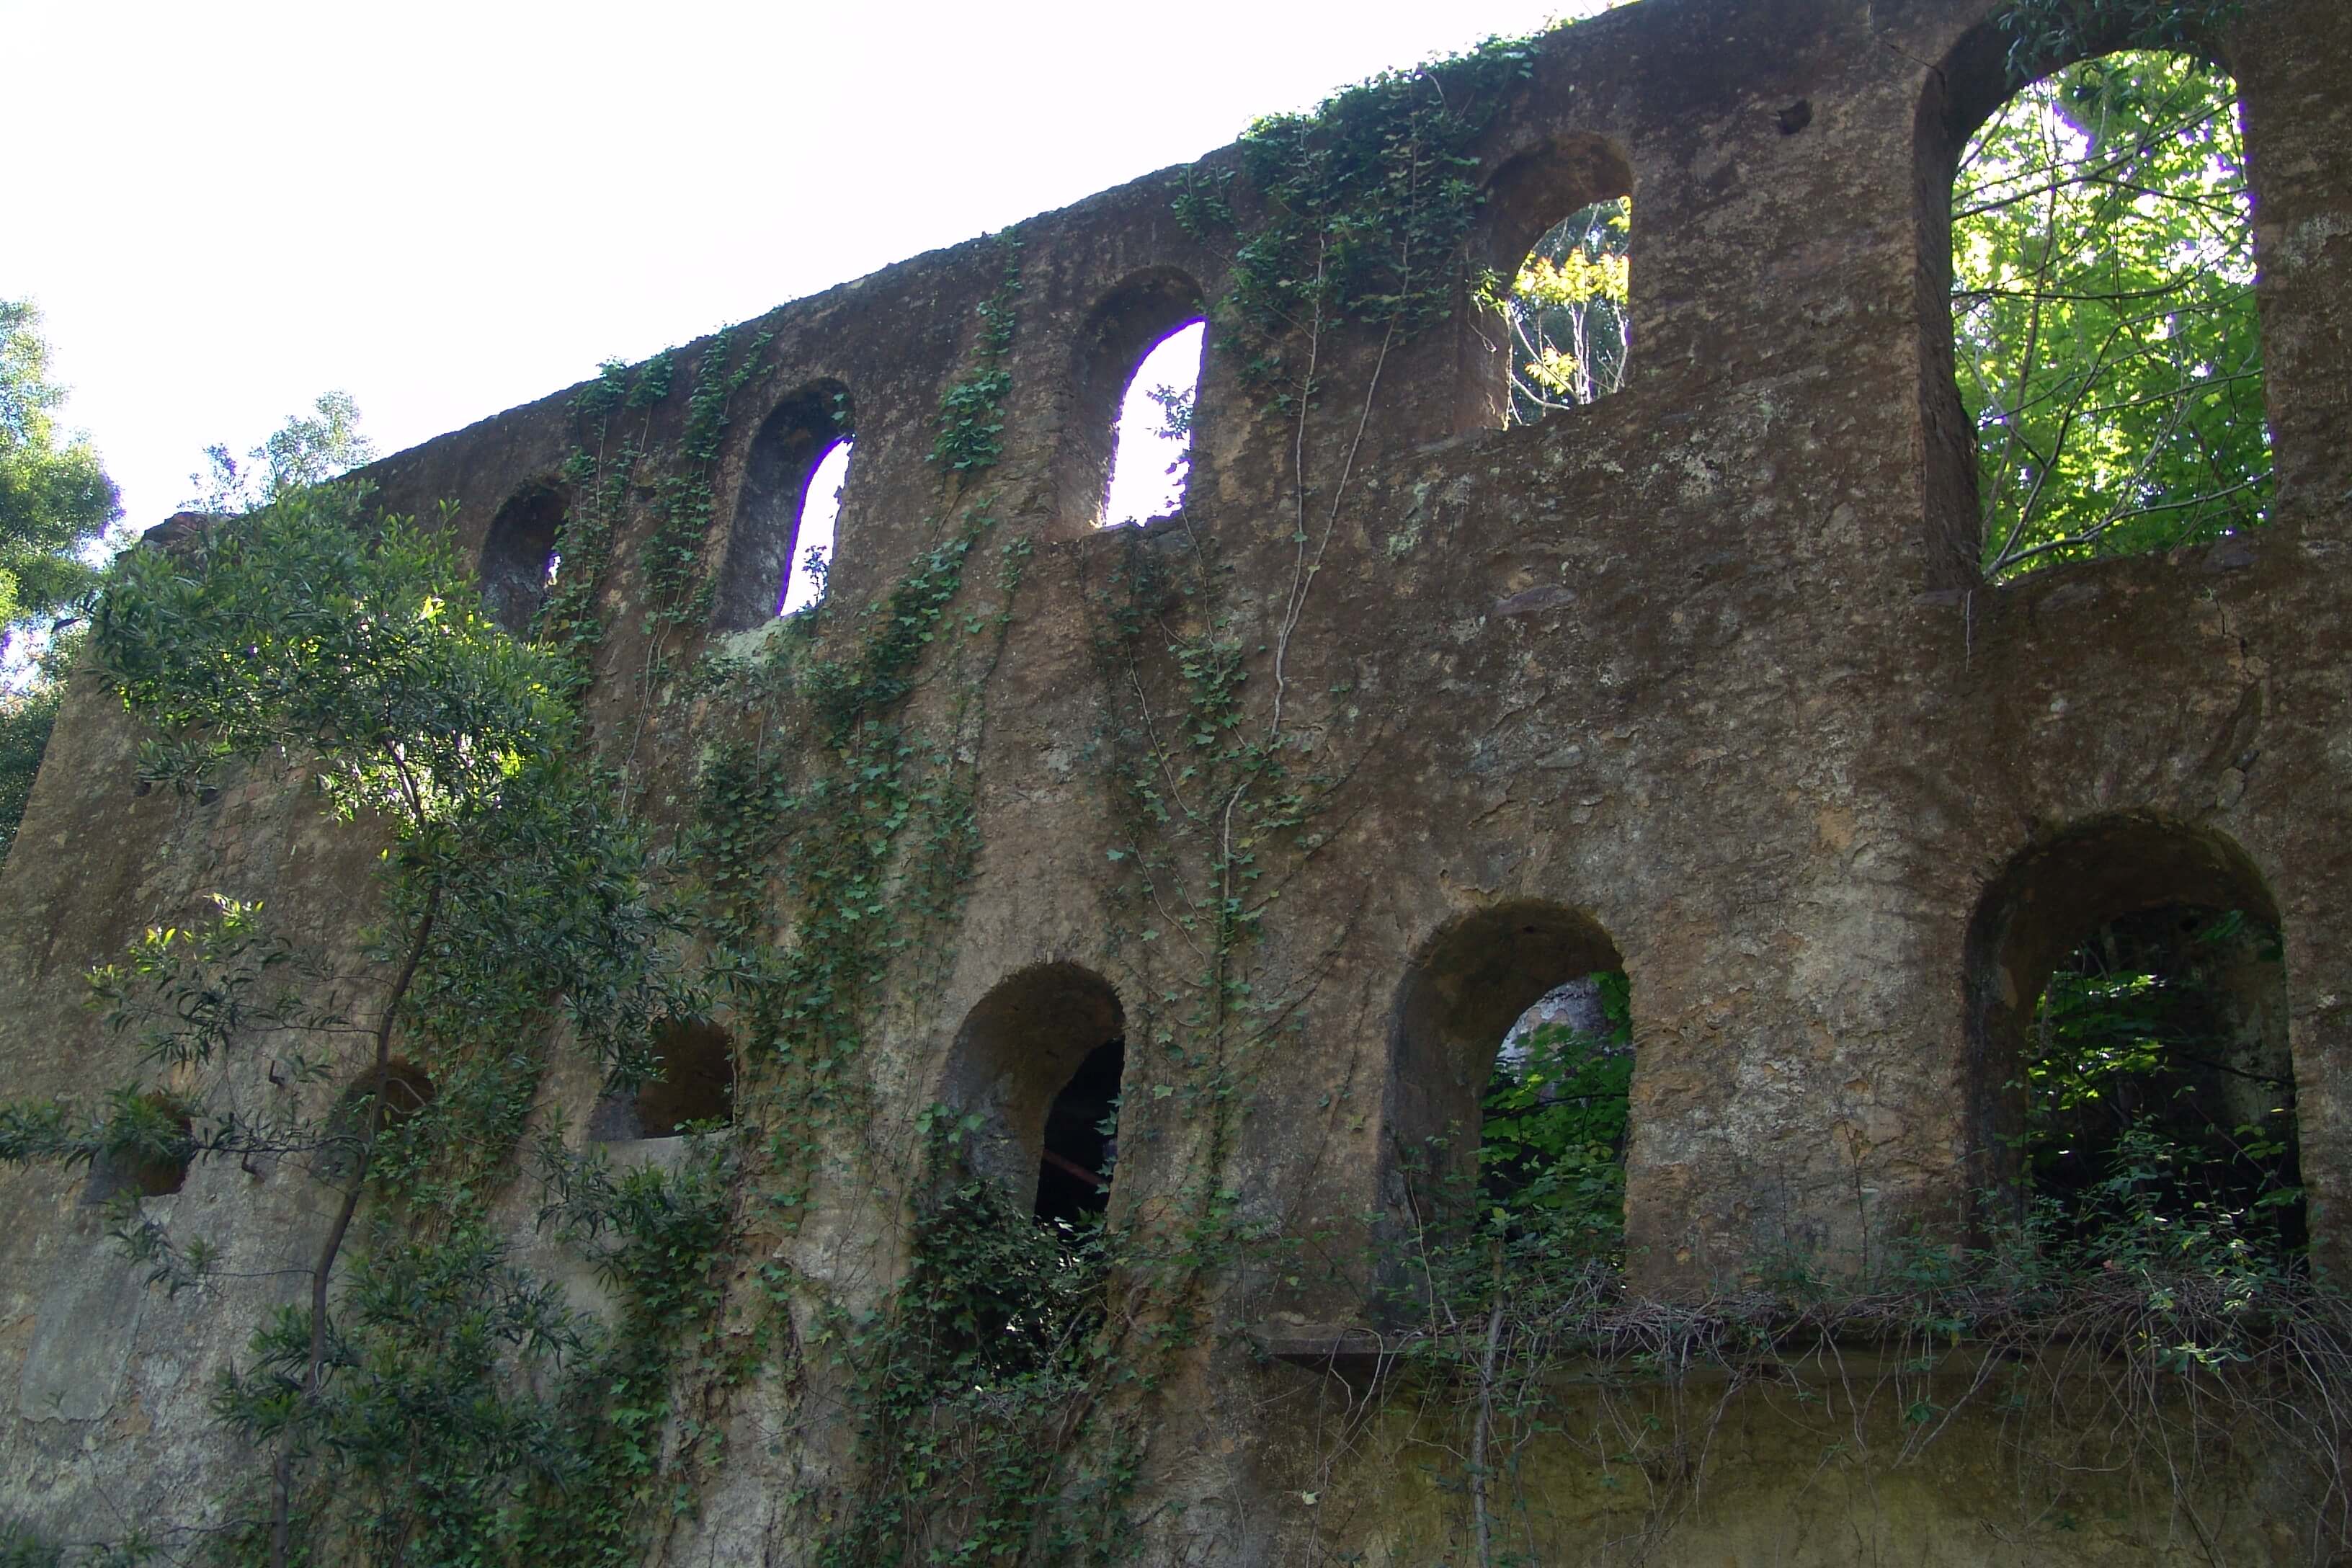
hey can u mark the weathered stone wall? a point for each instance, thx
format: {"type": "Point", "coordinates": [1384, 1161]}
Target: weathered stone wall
{"type": "Point", "coordinates": [1698, 673]}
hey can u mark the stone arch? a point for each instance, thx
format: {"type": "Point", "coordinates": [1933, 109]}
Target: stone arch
{"type": "Point", "coordinates": [519, 557]}
{"type": "Point", "coordinates": [378, 1101]}
{"type": "Point", "coordinates": [1528, 195]}
{"type": "Point", "coordinates": [1145, 308]}
{"type": "Point", "coordinates": [2124, 867]}
{"type": "Point", "coordinates": [695, 1085]}
{"type": "Point", "coordinates": [1459, 1000]}
{"type": "Point", "coordinates": [154, 1163]}
{"type": "Point", "coordinates": [1974, 80]}
{"type": "Point", "coordinates": [1037, 1035]}
{"type": "Point", "coordinates": [785, 453]}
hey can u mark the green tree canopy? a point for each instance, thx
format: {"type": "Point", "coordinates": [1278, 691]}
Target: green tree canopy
{"type": "Point", "coordinates": [307, 449]}
{"type": "Point", "coordinates": [2103, 314]}
{"type": "Point", "coordinates": [1571, 312]}
{"type": "Point", "coordinates": [55, 497]}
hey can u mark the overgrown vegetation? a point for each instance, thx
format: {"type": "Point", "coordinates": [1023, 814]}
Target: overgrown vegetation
{"type": "Point", "coordinates": [427, 1398]}
{"type": "Point", "coordinates": [435, 1403]}
{"type": "Point", "coordinates": [1552, 1131]}
{"type": "Point", "coordinates": [2104, 314]}
{"type": "Point", "coordinates": [1570, 315]}
{"type": "Point", "coordinates": [2159, 1103]}
{"type": "Point", "coordinates": [55, 497]}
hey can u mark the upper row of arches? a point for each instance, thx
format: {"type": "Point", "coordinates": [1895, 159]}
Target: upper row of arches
{"type": "Point", "coordinates": [2088, 237]}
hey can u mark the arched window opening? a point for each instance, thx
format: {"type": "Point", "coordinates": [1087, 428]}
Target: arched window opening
{"type": "Point", "coordinates": [1570, 313]}
{"type": "Point", "coordinates": [519, 560]}
{"type": "Point", "coordinates": [812, 565]}
{"type": "Point", "coordinates": [2105, 339]}
{"type": "Point", "coordinates": [1133, 390]}
{"type": "Point", "coordinates": [1554, 1119]}
{"type": "Point", "coordinates": [1512, 1069]}
{"type": "Point", "coordinates": [1555, 235]}
{"type": "Point", "coordinates": [1081, 1152]}
{"type": "Point", "coordinates": [150, 1141]}
{"type": "Point", "coordinates": [693, 1086]}
{"type": "Point", "coordinates": [1035, 1071]}
{"type": "Point", "coordinates": [793, 479]}
{"type": "Point", "coordinates": [1151, 445]}
{"type": "Point", "coordinates": [380, 1100]}
{"type": "Point", "coordinates": [2137, 1091]}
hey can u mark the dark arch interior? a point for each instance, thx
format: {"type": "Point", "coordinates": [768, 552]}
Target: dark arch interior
{"type": "Point", "coordinates": [1038, 1062]}
{"type": "Point", "coordinates": [783, 458]}
{"type": "Point", "coordinates": [1458, 1002]}
{"type": "Point", "coordinates": [697, 1083]}
{"type": "Point", "coordinates": [1123, 328]}
{"type": "Point", "coordinates": [150, 1157]}
{"type": "Point", "coordinates": [1081, 1139]}
{"type": "Point", "coordinates": [382, 1096]}
{"type": "Point", "coordinates": [519, 556]}
{"type": "Point", "coordinates": [2127, 989]}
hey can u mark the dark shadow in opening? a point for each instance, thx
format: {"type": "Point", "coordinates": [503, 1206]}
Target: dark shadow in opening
{"type": "Point", "coordinates": [152, 1161]}
{"type": "Point", "coordinates": [695, 1086]}
{"type": "Point", "coordinates": [761, 545]}
{"type": "Point", "coordinates": [519, 556]}
{"type": "Point", "coordinates": [1081, 1153]}
{"type": "Point", "coordinates": [388, 1097]}
{"type": "Point", "coordinates": [2126, 980]}
{"type": "Point", "coordinates": [1034, 1037]}
{"type": "Point", "coordinates": [1458, 1002]}
{"type": "Point", "coordinates": [1147, 308]}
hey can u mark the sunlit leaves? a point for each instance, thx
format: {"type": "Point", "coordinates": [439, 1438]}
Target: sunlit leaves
{"type": "Point", "coordinates": [300, 629]}
{"type": "Point", "coordinates": [2103, 316]}
{"type": "Point", "coordinates": [55, 497]}
{"type": "Point", "coordinates": [1571, 324]}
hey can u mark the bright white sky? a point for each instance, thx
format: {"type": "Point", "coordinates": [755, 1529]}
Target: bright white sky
{"type": "Point", "coordinates": [448, 207]}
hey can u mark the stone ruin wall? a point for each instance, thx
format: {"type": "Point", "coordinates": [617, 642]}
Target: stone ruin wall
{"type": "Point", "coordinates": [1699, 672]}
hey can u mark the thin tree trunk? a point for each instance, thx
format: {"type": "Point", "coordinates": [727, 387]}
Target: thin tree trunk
{"type": "Point", "coordinates": [1485, 1420]}
{"type": "Point", "coordinates": [281, 1525]}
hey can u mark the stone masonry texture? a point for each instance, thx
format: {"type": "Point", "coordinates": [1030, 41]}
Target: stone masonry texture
{"type": "Point", "coordinates": [1697, 680]}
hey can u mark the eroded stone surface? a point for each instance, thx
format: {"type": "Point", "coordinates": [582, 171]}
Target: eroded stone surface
{"type": "Point", "coordinates": [1696, 673]}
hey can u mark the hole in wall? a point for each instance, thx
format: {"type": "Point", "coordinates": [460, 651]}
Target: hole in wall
{"type": "Point", "coordinates": [2133, 1078]}
{"type": "Point", "coordinates": [796, 475]}
{"type": "Point", "coordinates": [1035, 1068]}
{"type": "Point", "coordinates": [1149, 315]}
{"type": "Point", "coordinates": [385, 1098]}
{"type": "Point", "coordinates": [2160, 1093]}
{"type": "Point", "coordinates": [697, 1083]}
{"type": "Point", "coordinates": [1570, 313]}
{"type": "Point", "coordinates": [1151, 445]}
{"type": "Point", "coordinates": [2107, 345]}
{"type": "Point", "coordinates": [1523, 1011]}
{"type": "Point", "coordinates": [811, 565]}
{"type": "Point", "coordinates": [519, 560]}
{"type": "Point", "coordinates": [150, 1143]}
{"type": "Point", "coordinates": [1556, 1111]}
{"type": "Point", "coordinates": [1556, 231]}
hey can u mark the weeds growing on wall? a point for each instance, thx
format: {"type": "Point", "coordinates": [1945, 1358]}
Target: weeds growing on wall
{"type": "Point", "coordinates": [2137, 1316]}
{"type": "Point", "coordinates": [423, 1401]}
